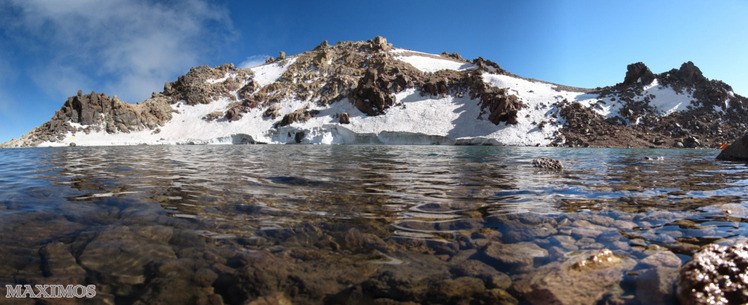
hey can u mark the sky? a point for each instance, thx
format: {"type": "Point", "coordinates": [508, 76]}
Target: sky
{"type": "Point", "coordinates": [50, 49]}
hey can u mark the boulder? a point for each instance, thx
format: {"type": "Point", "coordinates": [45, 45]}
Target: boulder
{"type": "Point", "coordinates": [344, 118]}
{"type": "Point", "coordinates": [715, 275]}
{"type": "Point", "coordinates": [517, 256]}
{"type": "Point", "coordinates": [737, 151]}
{"type": "Point", "coordinates": [584, 278]}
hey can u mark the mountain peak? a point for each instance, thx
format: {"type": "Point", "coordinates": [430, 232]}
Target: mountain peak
{"type": "Point", "coordinates": [689, 73]}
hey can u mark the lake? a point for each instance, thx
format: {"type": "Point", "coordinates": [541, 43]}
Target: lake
{"type": "Point", "coordinates": [328, 224]}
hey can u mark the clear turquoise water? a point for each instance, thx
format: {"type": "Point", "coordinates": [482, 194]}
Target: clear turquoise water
{"type": "Point", "coordinates": [241, 196]}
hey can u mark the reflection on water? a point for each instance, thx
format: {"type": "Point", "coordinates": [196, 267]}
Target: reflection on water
{"type": "Point", "coordinates": [370, 203]}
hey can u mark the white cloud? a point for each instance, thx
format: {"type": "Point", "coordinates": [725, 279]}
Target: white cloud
{"type": "Point", "coordinates": [253, 60]}
{"type": "Point", "coordinates": [128, 48]}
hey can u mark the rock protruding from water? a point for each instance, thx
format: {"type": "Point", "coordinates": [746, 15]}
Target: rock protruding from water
{"type": "Point", "coordinates": [716, 275]}
{"type": "Point", "coordinates": [548, 163]}
{"type": "Point", "coordinates": [737, 151]}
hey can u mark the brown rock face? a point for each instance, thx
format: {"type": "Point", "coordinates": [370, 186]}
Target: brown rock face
{"type": "Point", "coordinates": [300, 115]}
{"type": "Point", "coordinates": [715, 275]}
{"type": "Point", "coordinates": [737, 151]}
{"type": "Point", "coordinates": [194, 87]}
{"type": "Point", "coordinates": [97, 111]}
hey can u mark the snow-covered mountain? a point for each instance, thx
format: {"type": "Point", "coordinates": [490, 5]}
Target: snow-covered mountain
{"type": "Point", "coordinates": [370, 92]}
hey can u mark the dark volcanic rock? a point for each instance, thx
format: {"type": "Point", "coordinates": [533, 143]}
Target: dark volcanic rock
{"type": "Point", "coordinates": [716, 275]}
{"type": "Point", "coordinates": [737, 151]}
{"type": "Point", "coordinates": [638, 73]}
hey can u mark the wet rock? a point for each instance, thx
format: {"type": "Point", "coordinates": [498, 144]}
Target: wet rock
{"type": "Point", "coordinates": [737, 151]}
{"type": "Point", "coordinates": [547, 163]}
{"type": "Point", "coordinates": [715, 275]}
{"type": "Point", "coordinates": [477, 269]}
{"type": "Point", "coordinates": [514, 230]}
{"type": "Point", "coordinates": [656, 282]}
{"type": "Point", "coordinates": [59, 263]}
{"type": "Point", "coordinates": [514, 256]}
{"type": "Point", "coordinates": [584, 278]}
{"type": "Point", "coordinates": [121, 255]}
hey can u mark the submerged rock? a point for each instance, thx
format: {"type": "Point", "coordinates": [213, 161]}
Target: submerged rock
{"type": "Point", "coordinates": [716, 275]}
{"type": "Point", "coordinates": [516, 256]}
{"type": "Point", "coordinates": [584, 278]}
{"type": "Point", "coordinates": [737, 151]}
{"type": "Point", "coordinates": [548, 163]}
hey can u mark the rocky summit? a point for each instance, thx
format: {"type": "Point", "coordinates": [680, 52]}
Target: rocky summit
{"type": "Point", "coordinates": [373, 92]}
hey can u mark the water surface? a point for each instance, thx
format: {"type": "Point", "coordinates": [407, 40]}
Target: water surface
{"type": "Point", "coordinates": [337, 216]}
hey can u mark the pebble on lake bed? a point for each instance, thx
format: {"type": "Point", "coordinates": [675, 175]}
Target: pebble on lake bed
{"type": "Point", "coordinates": [548, 163]}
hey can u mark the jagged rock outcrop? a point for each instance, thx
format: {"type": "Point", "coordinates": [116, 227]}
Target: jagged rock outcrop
{"type": "Point", "coordinates": [716, 115]}
{"type": "Point", "coordinates": [201, 84]}
{"type": "Point", "coordinates": [97, 112]}
{"type": "Point", "coordinates": [737, 151]}
{"type": "Point", "coordinates": [638, 73]}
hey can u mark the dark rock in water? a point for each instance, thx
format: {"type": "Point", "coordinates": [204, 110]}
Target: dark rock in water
{"type": "Point", "coordinates": [715, 275]}
{"type": "Point", "coordinates": [737, 151]}
{"type": "Point", "coordinates": [548, 163]}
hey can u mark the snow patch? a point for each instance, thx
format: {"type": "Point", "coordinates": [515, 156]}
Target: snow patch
{"type": "Point", "coordinates": [269, 73]}
{"type": "Point", "coordinates": [432, 63]}
{"type": "Point", "coordinates": [665, 99]}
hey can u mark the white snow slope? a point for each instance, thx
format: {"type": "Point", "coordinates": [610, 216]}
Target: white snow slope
{"type": "Point", "coordinates": [415, 119]}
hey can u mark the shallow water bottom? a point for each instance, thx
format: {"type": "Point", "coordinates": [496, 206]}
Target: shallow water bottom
{"type": "Point", "coordinates": [362, 224]}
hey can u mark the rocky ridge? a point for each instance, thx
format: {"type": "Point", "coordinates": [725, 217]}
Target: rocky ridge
{"type": "Point", "coordinates": [370, 75]}
{"type": "Point", "coordinates": [715, 116]}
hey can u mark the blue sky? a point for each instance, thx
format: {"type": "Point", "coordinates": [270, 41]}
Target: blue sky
{"type": "Point", "coordinates": [49, 49]}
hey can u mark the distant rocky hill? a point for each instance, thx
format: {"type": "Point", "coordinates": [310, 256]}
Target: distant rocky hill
{"type": "Point", "coordinates": [371, 92]}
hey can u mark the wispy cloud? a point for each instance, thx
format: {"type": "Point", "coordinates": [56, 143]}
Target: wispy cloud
{"type": "Point", "coordinates": [125, 47]}
{"type": "Point", "coordinates": [253, 60]}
